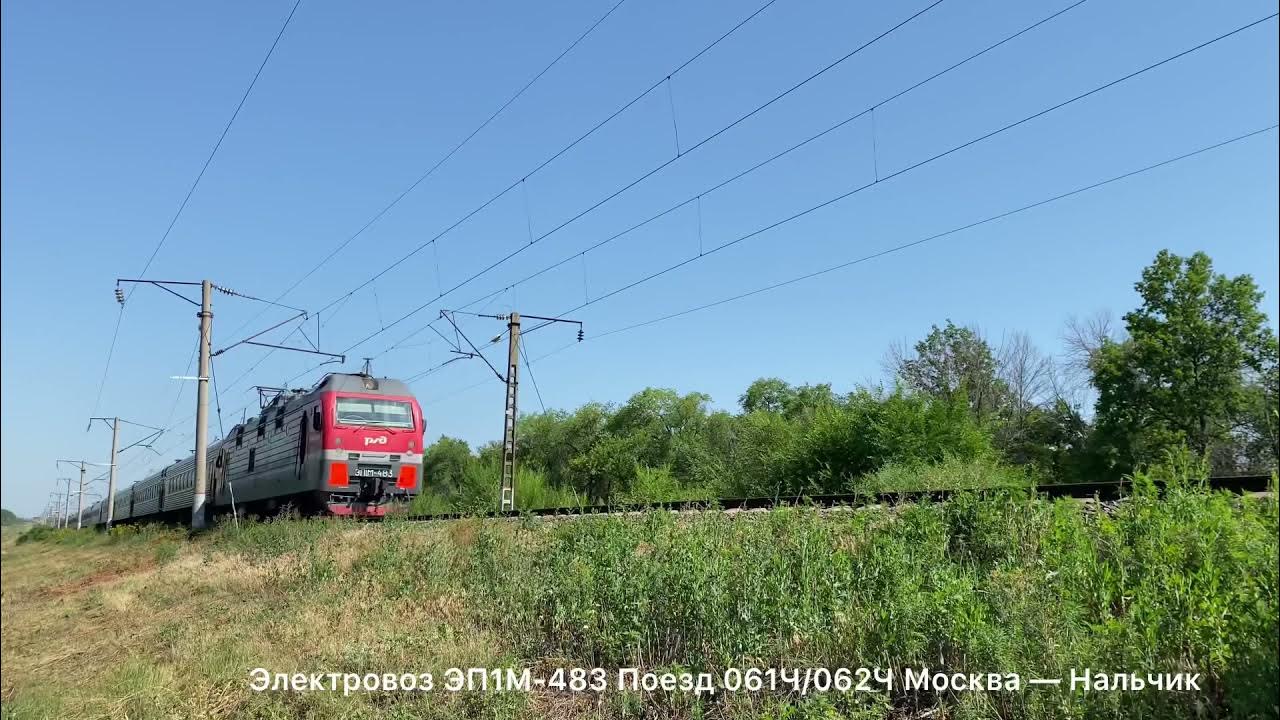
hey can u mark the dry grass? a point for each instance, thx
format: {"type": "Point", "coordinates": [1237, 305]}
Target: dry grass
{"type": "Point", "coordinates": [105, 630]}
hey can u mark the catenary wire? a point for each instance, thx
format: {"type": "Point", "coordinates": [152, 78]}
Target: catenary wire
{"type": "Point", "coordinates": [496, 197]}
{"type": "Point", "coordinates": [524, 347]}
{"type": "Point", "coordinates": [899, 248]}
{"type": "Point", "coordinates": [931, 159]}
{"type": "Point", "coordinates": [342, 299]}
{"type": "Point", "coordinates": [452, 151]}
{"type": "Point", "coordinates": [516, 183]}
{"type": "Point", "coordinates": [115, 334]}
{"type": "Point", "coordinates": [812, 138]}
{"type": "Point", "coordinates": [971, 142]}
{"type": "Point", "coordinates": [619, 191]}
{"type": "Point", "coordinates": [938, 236]}
{"type": "Point", "coordinates": [911, 167]}
{"type": "Point", "coordinates": [923, 162]}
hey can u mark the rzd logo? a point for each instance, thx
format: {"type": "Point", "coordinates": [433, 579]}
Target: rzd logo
{"type": "Point", "coordinates": [375, 441]}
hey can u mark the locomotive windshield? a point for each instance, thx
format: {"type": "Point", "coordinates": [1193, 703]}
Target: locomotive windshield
{"type": "Point", "coordinates": [374, 412]}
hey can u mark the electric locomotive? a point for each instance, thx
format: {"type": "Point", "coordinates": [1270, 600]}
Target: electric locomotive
{"type": "Point", "coordinates": [349, 446]}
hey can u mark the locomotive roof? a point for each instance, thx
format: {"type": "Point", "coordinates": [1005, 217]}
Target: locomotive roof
{"type": "Point", "coordinates": [344, 382]}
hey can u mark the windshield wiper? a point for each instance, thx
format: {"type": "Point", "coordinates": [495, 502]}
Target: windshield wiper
{"type": "Point", "coordinates": [390, 425]}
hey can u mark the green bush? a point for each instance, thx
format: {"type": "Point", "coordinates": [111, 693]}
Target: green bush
{"type": "Point", "coordinates": [38, 533]}
{"type": "Point", "coordinates": [660, 484]}
{"type": "Point", "coordinates": [430, 502]}
{"type": "Point", "coordinates": [478, 492]}
{"type": "Point", "coordinates": [758, 455]}
{"type": "Point", "coordinates": [276, 536]}
{"type": "Point", "coordinates": [872, 430]}
{"type": "Point", "coordinates": [951, 473]}
{"type": "Point", "coordinates": [977, 584]}
{"type": "Point", "coordinates": [60, 536]}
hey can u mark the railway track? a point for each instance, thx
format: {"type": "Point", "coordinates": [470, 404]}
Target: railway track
{"type": "Point", "coordinates": [1102, 491]}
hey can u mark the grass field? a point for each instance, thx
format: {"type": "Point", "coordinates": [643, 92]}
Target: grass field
{"type": "Point", "coordinates": [150, 624]}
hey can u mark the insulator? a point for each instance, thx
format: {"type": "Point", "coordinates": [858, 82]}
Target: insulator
{"type": "Point", "coordinates": [119, 295]}
{"type": "Point", "coordinates": [579, 334]}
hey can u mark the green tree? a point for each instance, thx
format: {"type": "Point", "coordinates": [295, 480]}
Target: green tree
{"type": "Point", "coordinates": [809, 399]}
{"type": "Point", "coordinates": [1259, 431]}
{"type": "Point", "coordinates": [1058, 442]}
{"type": "Point", "coordinates": [1196, 345]}
{"type": "Point", "coordinates": [445, 465]}
{"type": "Point", "coordinates": [951, 361]}
{"type": "Point", "coordinates": [757, 455]}
{"type": "Point", "coordinates": [767, 395]}
{"type": "Point", "coordinates": [542, 441]}
{"type": "Point", "coordinates": [777, 396]}
{"type": "Point", "coordinates": [660, 421]}
{"type": "Point", "coordinates": [609, 468]}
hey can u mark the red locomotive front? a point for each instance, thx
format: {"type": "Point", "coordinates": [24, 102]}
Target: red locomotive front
{"type": "Point", "coordinates": [372, 450]}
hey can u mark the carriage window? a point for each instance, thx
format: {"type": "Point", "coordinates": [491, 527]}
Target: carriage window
{"type": "Point", "coordinates": [280, 418]}
{"type": "Point", "coordinates": [252, 452]}
{"type": "Point", "coordinates": [262, 426]}
{"type": "Point", "coordinates": [240, 436]}
{"type": "Point", "coordinates": [316, 418]}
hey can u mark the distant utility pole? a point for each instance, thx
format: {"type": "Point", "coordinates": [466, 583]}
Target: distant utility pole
{"type": "Point", "coordinates": [80, 497]}
{"type": "Point", "coordinates": [55, 515]}
{"type": "Point", "coordinates": [145, 442]}
{"type": "Point", "coordinates": [81, 464]}
{"type": "Point", "coordinates": [507, 490]}
{"type": "Point", "coordinates": [66, 504]}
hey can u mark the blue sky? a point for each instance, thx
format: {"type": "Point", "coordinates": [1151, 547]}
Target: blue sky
{"type": "Point", "coordinates": [109, 111]}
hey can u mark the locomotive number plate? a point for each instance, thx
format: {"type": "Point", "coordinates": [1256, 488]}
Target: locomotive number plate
{"type": "Point", "coordinates": [376, 471]}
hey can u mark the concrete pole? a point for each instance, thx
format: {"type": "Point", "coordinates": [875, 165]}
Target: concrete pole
{"type": "Point", "coordinates": [507, 499]}
{"type": "Point", "coordinates": [66, 505]}
{"type": "Point", "coordinates": [111, 477]}
{"type": "Point", "coordinates": [202, 407]}
{"type": "Point", "coordinates": [80, 499]}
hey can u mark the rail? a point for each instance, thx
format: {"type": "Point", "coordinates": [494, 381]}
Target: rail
{"type": "Point", "coordinates": [1110, 490]}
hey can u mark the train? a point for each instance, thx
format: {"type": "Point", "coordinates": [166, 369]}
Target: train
{"type": "Point", "coordinates": [351, 445]}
